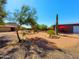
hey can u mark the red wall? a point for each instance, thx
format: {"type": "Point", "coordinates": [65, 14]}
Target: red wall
{"type": "Point", "coordinates": [65, 28]}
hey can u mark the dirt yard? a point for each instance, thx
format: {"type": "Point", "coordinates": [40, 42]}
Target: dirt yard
{"type": "Point", "coordinates": [62, 42]}
{"type": "Point", "coordinates": [67, 41]}
{"type": "Point", "coordinates": [67, 47]}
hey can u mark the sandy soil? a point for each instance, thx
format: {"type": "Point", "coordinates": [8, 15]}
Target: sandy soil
{"type": "Point", "coordinates": [62, 42]}
{"type": "Point", "coordinates": [10, 36]}
{"type": "Point", "coordinates": [17, 51]}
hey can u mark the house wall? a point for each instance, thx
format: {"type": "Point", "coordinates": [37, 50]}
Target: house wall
{"type": "Point", "coordinates": [75, 29]}
{"type": "Point", "coordinates": [65, 28]}
{"type": "Point", "coordinates": [68, 28]}
{"type": "Point", "coordinates": [5, 29]}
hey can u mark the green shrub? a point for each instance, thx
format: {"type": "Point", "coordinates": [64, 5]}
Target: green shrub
{"type": "Point", "coordinates": [41, 27]}
{"type": "Point", "coordinates": [51, 33]}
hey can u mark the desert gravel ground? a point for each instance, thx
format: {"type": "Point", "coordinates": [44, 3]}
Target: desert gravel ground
{"type": "Point", "coordinates": [69, 46]}
{"type": "Point", "coordinates": [62, 42]}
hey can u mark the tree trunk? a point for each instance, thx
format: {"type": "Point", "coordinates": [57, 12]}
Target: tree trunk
{"type": "Point", "coordinates": [33, 28]}
{"type": "Point", "coordinates": [19, 39]}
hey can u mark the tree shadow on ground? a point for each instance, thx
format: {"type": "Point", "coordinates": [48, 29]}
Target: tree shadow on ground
{"type": "Point", "coordinates": [3, 41]}
{"type": "Point", "coordinates": [12, 51]}
{"type": "Point", "coordinates": [43, 43]}
{"type": "Point", "coordinates": [40, 46]}
{"type": "Point", "coordinates": [37, 46]}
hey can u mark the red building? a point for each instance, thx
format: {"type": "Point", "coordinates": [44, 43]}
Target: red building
{"type": "Point", "coordinates": [68, 28]}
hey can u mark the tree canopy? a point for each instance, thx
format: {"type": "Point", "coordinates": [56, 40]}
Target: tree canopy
{"type": "Point", "coordinates": [41, 27]}
{"type": "Point", "coordinates": [24, 16]}
{"type": "Point", "coordinates": [2, 11]}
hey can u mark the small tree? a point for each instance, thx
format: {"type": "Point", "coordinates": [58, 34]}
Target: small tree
{"type": "Point", "coordinates": [20, 18]}
{"type": "Point", "coordinates": [23, 17]}
{"type": "Point", "coordinates": [2, 11]}
{"type": "Point", "coordinates": [56, 29]}
{"type": "Point", "coordinates": [31, 19]}
{"type": "Point", "coordinates": [41, 27]}
{"type": "Point", "coordinates": [44, 27]}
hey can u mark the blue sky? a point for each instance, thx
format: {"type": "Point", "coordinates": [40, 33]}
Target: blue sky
{"type": "Point", "coordinates": [68, 10]}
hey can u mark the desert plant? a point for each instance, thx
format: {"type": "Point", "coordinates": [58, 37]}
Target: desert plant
{"type": "Point", "coordinates": [41, 27]}
{"type": "Point", "coordinates": [31, 19]}
{"type": "Point", "coordinates": [56, 24]}
{"type": "Point", "coordinates": [21, 17]}
{"type": "Point", "coordinates": [51, 33]}
{"type": "Point", "coordinates": [2, 11]}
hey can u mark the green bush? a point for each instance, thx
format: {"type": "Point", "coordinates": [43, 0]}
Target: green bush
{"type": "Point", "coordinates": [41, 27]}
{"type": "Point", "coordinates": [51, 32]}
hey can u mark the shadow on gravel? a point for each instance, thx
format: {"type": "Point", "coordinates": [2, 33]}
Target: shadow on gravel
{"type": "Point", "coordinates": [43, 43]}
{"type": "Point", "coordinates": [12, 51]}
{"type": "Point", "coordinates": [35, 47]}
{"type": "Point", "coordinates": [39, 46]}
{"type": "Point", "coordinates": [3, 41]}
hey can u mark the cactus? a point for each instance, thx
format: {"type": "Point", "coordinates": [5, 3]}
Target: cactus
{"type": "Point", "coordinates": [56, 29]}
